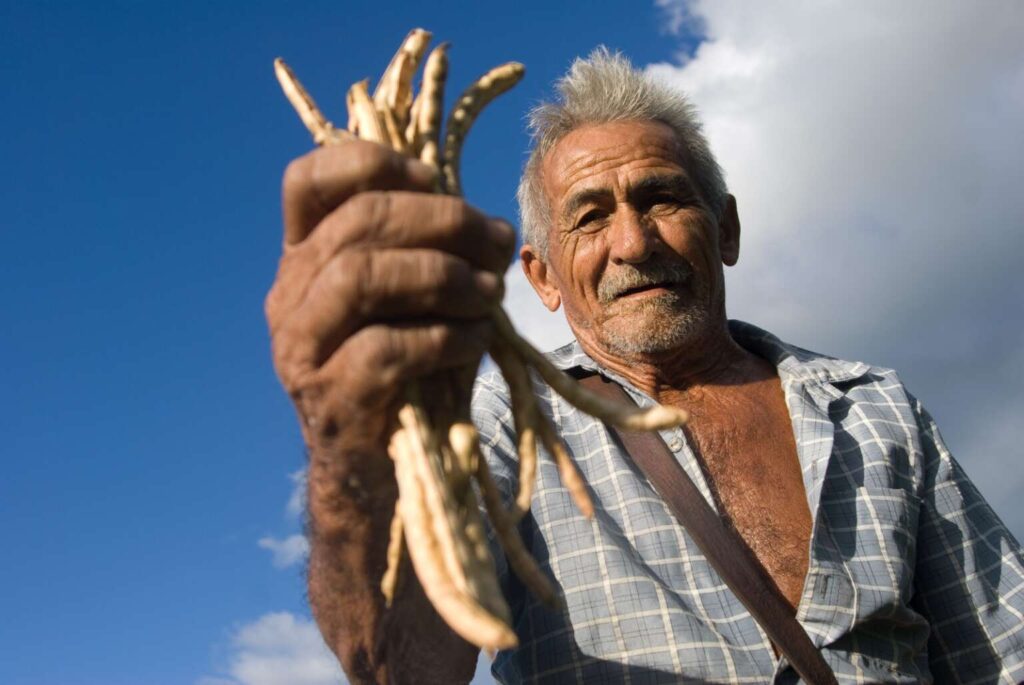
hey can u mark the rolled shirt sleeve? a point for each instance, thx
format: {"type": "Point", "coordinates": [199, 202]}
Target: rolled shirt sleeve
{"type": "Point", "coordinates": [969, 576]}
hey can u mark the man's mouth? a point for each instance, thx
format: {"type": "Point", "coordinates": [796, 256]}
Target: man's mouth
{"type": "Point", "coordinates": [648, 289]}
{"type": "Point", "coordinates": [628, 281]}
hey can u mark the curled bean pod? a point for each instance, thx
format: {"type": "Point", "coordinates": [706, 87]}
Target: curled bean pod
{"type": "Point", "coordinates": [658, 417]}
{"type": "Point", "coordinates": [470, 103]}
{"type": "Point", "coordinates": [524, 414]}
{"type": "Point", "coordinates": [567, 472]}
{"type": "Point", "coordinates": [518, 556]}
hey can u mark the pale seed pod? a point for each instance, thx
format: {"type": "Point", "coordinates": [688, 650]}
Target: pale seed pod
{"type": "Point", "coordinates": [658, 417]}
{"type": "Point", "coordinates": [394, 90]}
{"type": "Point", "coordinates": [518, 556]}
{"type": "Point", "coordinates": [368, 122]}
{"type": "Point", "coordinates": [431, 107]}
{"type": "Point", "coordinates": [467, 107]}
{"type": "Point", "coordinates": [525, 417]}
{"type": "Point", "coordinates": [396, 545]}
{"type": "Point", "coordinates": [323, 131]}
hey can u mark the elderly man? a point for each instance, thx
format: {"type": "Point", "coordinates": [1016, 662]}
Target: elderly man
{"type": "Point", "coordinates": [831, 471]}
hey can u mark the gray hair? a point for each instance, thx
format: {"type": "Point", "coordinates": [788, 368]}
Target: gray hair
{"type": "Point", "coordinates": [604, 88]}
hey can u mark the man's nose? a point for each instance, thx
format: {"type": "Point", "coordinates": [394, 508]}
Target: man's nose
{"type": "Point", "coordinates": [634, 238]}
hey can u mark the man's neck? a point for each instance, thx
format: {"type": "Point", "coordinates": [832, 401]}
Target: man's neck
{"type": "Point", "coordinates": [684, 373]}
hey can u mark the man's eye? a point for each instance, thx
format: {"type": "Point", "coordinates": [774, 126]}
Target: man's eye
{"type": "Point", "coordinates": [591, 217]}
{"type": "Point", "coordinates": [665, 201]}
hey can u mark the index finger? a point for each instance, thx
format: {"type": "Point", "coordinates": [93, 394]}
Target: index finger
{"type": "Point", "coordinates": [318, 182]}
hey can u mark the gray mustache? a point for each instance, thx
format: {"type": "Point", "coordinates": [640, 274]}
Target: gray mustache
{"type": "Point", "coordinates": [628, 277]}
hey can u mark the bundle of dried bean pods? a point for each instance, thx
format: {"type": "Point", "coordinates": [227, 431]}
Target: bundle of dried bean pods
{"type": "Point", "coordinates": [436, 450]}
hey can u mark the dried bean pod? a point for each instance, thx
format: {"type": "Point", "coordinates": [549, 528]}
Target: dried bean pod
{"type": "Point", "coordinates": [658, 417]}
{"type": "Point", "coordinates": [518, 556]}
{"type": "Point", "coordinates": [567, 472]}
{"type": "Point", "coordinates": [525, 417]}
{"type": "Point", "coordinates": [458, 526]}
{"type": "Point", "coordinates": [473, 99]}
{"type": "Point", "coordinates": [394, 90]}
{"type": "Point", "coordinates": [396, 545]}
{"type": "Point", "coordinates": [368, 122]}
{"type": "Point", "coordinates": [323, 131]}
{"type": "Point", "coordinates": [460, 612]}
{"type": "Point", "coordinates": [431, 107]}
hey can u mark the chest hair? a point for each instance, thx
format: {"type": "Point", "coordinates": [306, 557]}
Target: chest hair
{"type": "Point", "coordinates": [744, 441]}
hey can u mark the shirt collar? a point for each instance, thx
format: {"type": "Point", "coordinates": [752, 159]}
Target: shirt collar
{"type": "Point", "coordinates": [793, 363]}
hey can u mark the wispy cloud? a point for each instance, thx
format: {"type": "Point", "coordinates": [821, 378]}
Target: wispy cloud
{"type": "Point", "coordinates": [297, 499]}
{"type": "Point", "coordinates": [678, 17]}
{"type": "Point", "coordinates": [874, 149]}
{"type": "Point", "coordinates": [288, 551]}
{"type": "Point", "coordinates": [278, 649]}
{"type": "Point", "coordinates": [294, 548]}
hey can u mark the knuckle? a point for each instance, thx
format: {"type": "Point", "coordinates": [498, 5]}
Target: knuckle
{"type": "Point", "coordinates": [308, 393]}
{"type": "Point", "coordinates": [450, 278]}
{"type": "Point", "coordinates": [454, 272]}
{"type": "Point", "coordinates": [435, 345]}
{"type": "Point", "coordinates": [405, 353]}
{"type": "Point", "coordinates": [297, 178]}
{"type": "Point", "coordinates": [385, 350]}
{"type": "Point", "coordinates": [288, 287]}
{"type": "Point", "coordinates": [271, 308]}
{"type": "Point", "coordinates": [367, 277]}
{"type": "Point", "coordinates": [348, 282]}
{"type": "Point", "coordinates": [433, 274]}
{"type": "Point", "coordinates": [366, 213]}
{"type": "Point", "coordinates": [372, 161]}
{"type": "Point", "coordinates": [439, 340]}
{"type": "Point", "coordinates": [373, 359]}
{"type": "Point", "coordinates": [290, 362]}
{"type": "Point", "coordinates": [454, 211]}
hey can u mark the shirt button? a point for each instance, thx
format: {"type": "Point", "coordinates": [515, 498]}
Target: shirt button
{"type": "Point", "coordinates": [675, 445]}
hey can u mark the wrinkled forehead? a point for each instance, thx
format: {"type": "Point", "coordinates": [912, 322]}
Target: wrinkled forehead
{"type": "Point", "coordinates": [609, 157]}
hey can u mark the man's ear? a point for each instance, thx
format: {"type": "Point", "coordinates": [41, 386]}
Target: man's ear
{"type": "Point", "coordinates": [729, 233]}
{"type": "Point", "coordinates": [537, 274]}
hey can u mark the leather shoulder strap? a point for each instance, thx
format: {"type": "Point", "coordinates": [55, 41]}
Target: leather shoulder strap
{"type": "Point", "coordinates": [723, 547]}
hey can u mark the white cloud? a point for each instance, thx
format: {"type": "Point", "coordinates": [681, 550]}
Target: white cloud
{"type": "Point", "coordinates": [677, 15]}
{"type": "Point", "coordinates": [875, 151]}
{"type": "Point", "coordinates": [278, 649]}
{"type": "Point", "coordinates": [291, 550]}
{"type": "Point", "coordinates": [295, 548]}
{"type": "Point", "coordinates": [297, 499]}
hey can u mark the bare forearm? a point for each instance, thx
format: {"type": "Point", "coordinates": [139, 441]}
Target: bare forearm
{"type": "Point", "coordinates": [378, 285]}
{"type": "Point", "coordinates": [350, 512]}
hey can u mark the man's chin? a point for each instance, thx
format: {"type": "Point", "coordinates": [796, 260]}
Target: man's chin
{"type": "Point", "coordinates": [652, 332]}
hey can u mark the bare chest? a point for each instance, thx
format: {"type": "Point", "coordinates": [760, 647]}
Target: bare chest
{"type": "Point", "coordinates": [750, 460]}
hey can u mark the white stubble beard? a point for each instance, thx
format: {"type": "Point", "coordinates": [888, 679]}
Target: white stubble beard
{"type": "Point", "coordinates": [654, 325]}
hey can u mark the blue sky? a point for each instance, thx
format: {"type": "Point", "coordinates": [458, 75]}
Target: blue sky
{"type": "Point", "coordinates": [147, 446]}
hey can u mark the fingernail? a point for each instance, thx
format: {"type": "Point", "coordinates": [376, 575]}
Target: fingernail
{"type": "Point", "coordinates": [502, 233]}
{"type": "Point", "coordinates": [487, 283]}
{"type": "Point", "coordinates": [421, 173]}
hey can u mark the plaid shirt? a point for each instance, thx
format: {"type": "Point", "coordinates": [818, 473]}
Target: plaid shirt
{"type": "Point", "coordinates": [912, 576]}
